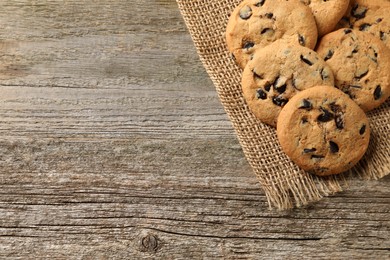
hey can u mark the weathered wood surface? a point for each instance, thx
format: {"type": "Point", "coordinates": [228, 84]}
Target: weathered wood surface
{"type": "Point", "coordinates": [113, 144]}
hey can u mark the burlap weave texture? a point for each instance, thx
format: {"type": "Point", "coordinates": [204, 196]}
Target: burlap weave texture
{"type": "Point", "coordinates": [284, 184]}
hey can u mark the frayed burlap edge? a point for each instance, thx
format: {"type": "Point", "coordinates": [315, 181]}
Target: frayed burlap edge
{"type": "Point", "coordinates": [285, 185]}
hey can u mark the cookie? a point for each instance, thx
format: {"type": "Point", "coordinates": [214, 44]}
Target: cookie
{"type": "Point", "coordinates": [360, 63]}
{"type": "Point", "coordinates": [357, 10]}
{"type": "Point", "coordinates": [323, 131]}
{"type": "Point", "coordinates": [369, 16]}
{"type": "Point", "coordinates": [376, 23]}
{"type": "Point", "coordinates": [276, 73]}
{"type": "Point", "coordinates": [327, 13]}
{"type": "Point", "coordinates": [255, 24]}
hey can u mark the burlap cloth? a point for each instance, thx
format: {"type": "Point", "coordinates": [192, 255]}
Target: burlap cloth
{"type": "Point", "coordinates": [284, 184]}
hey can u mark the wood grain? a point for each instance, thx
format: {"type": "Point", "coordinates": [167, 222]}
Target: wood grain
{"type": "Point", "coordinates": [113, 145]}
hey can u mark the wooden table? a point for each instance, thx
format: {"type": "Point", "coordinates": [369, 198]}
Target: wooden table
{"type": "Point", "coordinates": [113, 145]}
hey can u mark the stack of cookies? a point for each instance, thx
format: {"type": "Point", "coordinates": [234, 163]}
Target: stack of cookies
{"type": "Point", "coordinates": [312, 69]}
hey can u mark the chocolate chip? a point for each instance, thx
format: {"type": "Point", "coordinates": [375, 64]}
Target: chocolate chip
{"type": "Point", "coordinates": [305, 60]}
{"type": "Point", "coordinates": [329, 55]}
{"type": "Point", "coordinates": [334, 107]}
{"type": "Point", "coordinates": [358, 14]}
{"type": "Point", "coordinates": [281, 89]}
{"type": "Point", "coordinates": [326, 116]}
{"type": "Point", "coordinates": [364, 26]}
{"type": "Point", "coordinates": [379, 20]}
{"type": "Point", "coordinates": [245, 12]}
{"type": "Point", "coordinates": [382, 35]}
{"type": "Point", "coordinates": [346, 31]}
{"type": "Point", "coordinates": [309, 150]}
{"type": "Point", "coordinates": [279, 86]}
{"type": "Point", "coordinates": [305, 104]}
{"type": "Point", "coordinates": [324, 74]}
{"type": "Point", "coordinates": [339, 121]}
{"type": "Point", "coordinates": [248, 45]}
{"type": "Point", "coordinates": [355, 50]}
{"type": "Point", "coordinates": [265, 30]}
{"type": "Point", "coordinates": [260, 94]}
{"type": "Point", "coordinates": [269, 15]}
{"type": "Point", "coordinates": [315, 156]}
{"type": "Point", "coordinates": [346, 20]}
{"type": "Point", "coordinates": [360, 76]}
{"type": "Point", "coordinates": [301, 40]}
{"type": "Point", "coordinates": [279, 101]}
{"type": "Point", "coordinates": [304, 120]}
{"type": "Point", "coordinates": [362, 129]}
{"type": "Point", "coordinates": [334, 148]}
{"type": "Point", "coordinates": [260, 3]}
{"type": "Point", "coordinates": [378, 92]}
{"type": "Point", "coordinates": [267, 86]}
{"type": "Point", "coordinates": [277, 81]}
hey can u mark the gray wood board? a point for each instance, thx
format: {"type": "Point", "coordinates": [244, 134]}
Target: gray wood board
{"type": "Point", "coordinates": [113, 144]}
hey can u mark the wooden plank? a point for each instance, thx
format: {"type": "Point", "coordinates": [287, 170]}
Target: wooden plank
{"type": "Point", "coordinates": [113, 144]}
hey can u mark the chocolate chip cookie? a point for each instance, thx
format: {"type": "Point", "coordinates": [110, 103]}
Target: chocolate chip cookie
{"type": "Point", "coordinates": [369, 16]}
{"type": "Point", "coordinates": [360, 63]}
{"type": "Point", "coordinates": [255, 24]}
{"type": "Point", "coordinates": [278, 72]}
{"type": "Point", "coordinates": [327, 13]}
{"type": "Point", "coordinates": [323, 131]}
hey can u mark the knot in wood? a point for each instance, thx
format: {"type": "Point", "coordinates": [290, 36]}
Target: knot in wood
{"type": "Point", "coordinates": [150, 243]}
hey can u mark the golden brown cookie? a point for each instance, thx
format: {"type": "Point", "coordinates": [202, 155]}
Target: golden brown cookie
{"type": "Point", "coordinates": [323, 131]}
{"type": "Point", "coordinates": [327, 13]}
{"type": "Point", "coordinates": [372, 16]}
{"type": "Point", "coordinates": [361, 65]}
{"type": "Point", "coordinates": [276, 73]}
{"type": "Point", "coordinates": [255, 24]}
